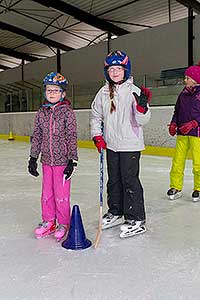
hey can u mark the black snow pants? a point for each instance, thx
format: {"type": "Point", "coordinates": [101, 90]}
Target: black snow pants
{"type": "Point", "coordinates": [124, 189]}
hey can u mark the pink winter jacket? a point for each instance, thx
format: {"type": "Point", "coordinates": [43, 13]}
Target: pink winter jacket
{"type": "Point", "coordinates": [55, 134]}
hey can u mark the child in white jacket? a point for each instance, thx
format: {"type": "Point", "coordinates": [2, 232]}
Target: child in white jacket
{"type": "Point", "coordinates": [123, 108]}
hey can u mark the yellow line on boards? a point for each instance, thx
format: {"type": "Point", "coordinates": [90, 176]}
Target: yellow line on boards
{"type": "Point", "coordinates": [149, 150]}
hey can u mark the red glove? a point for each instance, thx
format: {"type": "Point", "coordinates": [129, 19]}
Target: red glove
{"type": "Point", "coordinates": [172, 128]}
{"type": "Point", "coordinates": [186, 127]}
{"type": "Point", "coordinates": [99, 142]}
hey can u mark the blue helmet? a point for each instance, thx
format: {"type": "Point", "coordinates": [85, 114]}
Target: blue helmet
{"type": "Point", "coordinates": [55, 79]}
{"type": "Point", "coordinates": [117, 58]}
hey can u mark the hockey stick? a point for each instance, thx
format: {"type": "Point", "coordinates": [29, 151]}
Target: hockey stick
{"type": "Point", "coordinates": [99, 231]}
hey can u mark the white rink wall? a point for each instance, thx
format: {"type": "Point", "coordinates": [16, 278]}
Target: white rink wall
{"type": "Point", "coordinates": [155, 132]}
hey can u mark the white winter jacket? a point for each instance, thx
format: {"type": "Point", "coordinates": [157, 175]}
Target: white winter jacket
{"type": "Point", "coordinates": [123, 127]}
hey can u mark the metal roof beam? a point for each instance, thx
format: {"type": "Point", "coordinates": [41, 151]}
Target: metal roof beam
{"type": "Point", "coordinates": [83, 16]}
{"type": "Point", "coordinates": [195, 5]}
{"type": "Point", "coordinates": [34, 37]}
{"type": "Point", "coordinates": [2, 67]}
{"type": "Point", "coordinates": [16, 54]}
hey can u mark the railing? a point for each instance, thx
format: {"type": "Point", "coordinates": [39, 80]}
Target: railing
{"type": "Point", "coordinates": [28, 97]}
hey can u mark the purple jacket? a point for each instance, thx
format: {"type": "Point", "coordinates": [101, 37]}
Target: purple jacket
{"type": "Point", "coordinates": [55, 134]}
{"type": "Point", "coordinates": [187, 108]}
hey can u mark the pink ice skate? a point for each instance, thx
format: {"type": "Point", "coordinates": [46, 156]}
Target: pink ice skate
{"type": "Point", "coordinates": [44, 229]}
{"type": "Point", "coordinates": [60, 232]}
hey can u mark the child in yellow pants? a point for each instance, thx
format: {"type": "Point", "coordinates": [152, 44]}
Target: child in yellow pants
{"type": "Point", "coordinates": [186, 124]}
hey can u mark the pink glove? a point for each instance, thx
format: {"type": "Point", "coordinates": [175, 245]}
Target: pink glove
{"type": "Point", "coordinates": [186, 127]}
{"type": "Point", "coordinates": [172, 128]}
{"type": "Point", "coordinates": [99, 142]}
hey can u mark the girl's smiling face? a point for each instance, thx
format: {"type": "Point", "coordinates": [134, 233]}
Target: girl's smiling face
{"type": "Point", "coordinates": [189, 82]}
{"type": "Point", "coordinates": [54, 93]}
{"type": "Point", "coordinates": [116, 73]}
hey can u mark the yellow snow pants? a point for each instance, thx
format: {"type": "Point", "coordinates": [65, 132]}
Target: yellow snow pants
{"type": "Point", "coordinates": [183, 145]}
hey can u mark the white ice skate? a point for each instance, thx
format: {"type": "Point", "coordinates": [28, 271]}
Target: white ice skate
{"type": "Point", "coordinates": [174, 194]}
{"type": "Point", "coordinates": [131, 228]}
{"type": "Point", "coordinates": [196, 196]}
{"type": "Point", "coordinates": [44, 229]}
{"type": "Point", "coordinates": [109, 220]}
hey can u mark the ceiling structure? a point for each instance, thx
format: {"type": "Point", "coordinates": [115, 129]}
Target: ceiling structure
{"type": "Point", "coordinates": [37, 29]}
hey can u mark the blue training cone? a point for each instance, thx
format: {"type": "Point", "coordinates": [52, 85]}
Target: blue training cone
{"type": "Point", "coordinates": [76, 239]}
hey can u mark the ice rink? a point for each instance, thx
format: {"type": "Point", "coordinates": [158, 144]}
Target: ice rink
{"type": "Point", "coordinates": [162, 264]}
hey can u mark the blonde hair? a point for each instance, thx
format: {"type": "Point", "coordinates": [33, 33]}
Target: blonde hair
{"type": "Point", "coordinates": [112, 103]}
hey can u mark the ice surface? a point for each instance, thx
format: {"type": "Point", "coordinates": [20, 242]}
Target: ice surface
{"type": "Point", "coordinates": [162, 264]}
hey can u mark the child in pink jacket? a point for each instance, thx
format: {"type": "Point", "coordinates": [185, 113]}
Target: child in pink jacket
{"type": "Point", "coordinates": [55, 138]}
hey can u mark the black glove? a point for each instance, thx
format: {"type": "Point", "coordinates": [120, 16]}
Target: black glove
{"type": "Point", "coordinates": [32, 166]}
{"type": "Point", "coordinates": [70, 169]}
{"type": "Point", "coordinates": [143, 99]}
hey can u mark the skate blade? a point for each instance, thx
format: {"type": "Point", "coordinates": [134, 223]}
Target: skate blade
{"type": "Point", "coordinates": [196, 199]}
{"type": "Point", "coordinates": [106, 226]}
{"type": "Point", "coordinates": [176, 196]}
{"type": "Point", "coordinates": [60, 239]}
{"type": "Point", "coordinates": [43, 236]}
{"type": "Point", "coordinates": [139, 230]}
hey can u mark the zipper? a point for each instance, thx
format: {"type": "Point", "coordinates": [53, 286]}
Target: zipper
{"type": "Point", "coordinates": [51, 137]}
{"type": "Point", "coordinates": [52, 130]}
